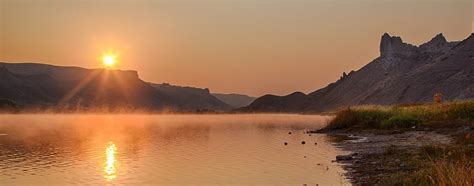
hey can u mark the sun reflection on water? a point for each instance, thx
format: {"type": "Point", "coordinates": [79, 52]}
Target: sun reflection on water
{"type": "Point", "coordinates": [110, 169]}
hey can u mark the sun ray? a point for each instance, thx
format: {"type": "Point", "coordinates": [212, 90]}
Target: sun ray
{"type": "Point", "coordinates": [79, 87]}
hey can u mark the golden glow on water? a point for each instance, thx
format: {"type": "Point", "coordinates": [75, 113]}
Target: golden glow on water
{"type": "Point", "coordinates": [110, 167]}
{"type": "Point", "coordinates": [166, 150]}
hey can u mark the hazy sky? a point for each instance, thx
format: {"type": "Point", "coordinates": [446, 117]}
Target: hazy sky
{"type": "Point", "coordinates": [243, 46]}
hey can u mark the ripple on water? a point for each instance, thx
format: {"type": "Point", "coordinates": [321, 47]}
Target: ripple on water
{"type": "Point", "coordinates": [166, 149]}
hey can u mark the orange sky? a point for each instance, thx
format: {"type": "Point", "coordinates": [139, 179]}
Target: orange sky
{"type": "Point", "coordinates": [243, 46]}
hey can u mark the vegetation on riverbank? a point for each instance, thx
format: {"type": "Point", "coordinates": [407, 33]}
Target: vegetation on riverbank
{"type": "Point", "coordinates": [403, 116]}
{"type": "Point", "coordinates": [431, 164]}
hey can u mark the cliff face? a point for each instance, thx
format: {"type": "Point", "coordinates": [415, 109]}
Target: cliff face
{"type": "Point", "coordinates": [403, 73]}
{"type": "Point", "coordinates": [31, 84]}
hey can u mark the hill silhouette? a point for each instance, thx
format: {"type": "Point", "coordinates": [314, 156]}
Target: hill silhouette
{"type": "Point", "coordinates": [42, 85]}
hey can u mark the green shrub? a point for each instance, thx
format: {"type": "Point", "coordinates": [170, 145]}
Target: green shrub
{"type": "Point", "coordinates": [400, 121]}
{"type": "Point", "coordinates": [372, 118]}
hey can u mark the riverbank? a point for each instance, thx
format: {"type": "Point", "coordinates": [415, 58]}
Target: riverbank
{"type": "Point", "coordinates": [430, 144]}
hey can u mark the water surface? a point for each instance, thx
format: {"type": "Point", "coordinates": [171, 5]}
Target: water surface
{"type": "Point", "coordinates": [166, 149]}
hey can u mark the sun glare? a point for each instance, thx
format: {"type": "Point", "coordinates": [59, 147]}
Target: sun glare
{"type": "Point", "coordinates": [109, 60]}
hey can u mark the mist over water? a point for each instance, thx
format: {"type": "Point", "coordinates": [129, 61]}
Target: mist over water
{"type": "Point", "coordinates": [166, 149]}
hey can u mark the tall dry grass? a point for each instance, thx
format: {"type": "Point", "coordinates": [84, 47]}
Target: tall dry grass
{"type": "Point", "coordinates": [458, 172]}
{"type": "Point", "coordinates": [433, 165]}
{"type": "Point", "coordinates": [402, 116]}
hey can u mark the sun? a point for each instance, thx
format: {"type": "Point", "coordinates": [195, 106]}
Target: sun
{"type": "Point", "coordinates": [109, 60]}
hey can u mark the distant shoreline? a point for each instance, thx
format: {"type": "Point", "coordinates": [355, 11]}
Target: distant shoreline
{"type": "Point", "coordinates": [9, 107]}
{"type": "Point", "coordinates": [53, 110]}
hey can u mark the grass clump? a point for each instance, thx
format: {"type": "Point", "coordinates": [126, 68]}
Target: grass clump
{"type": "Point", "coordinates": [431, 165]}
{"type": "Point", "coordinates": [400, 121]}
{"type": "Point", "coordinates": [464, 110]}
{"type": "Point", "coordinates": [344, 119]}
{"type": "Point", "coordinates": [366, 118]}
{"type": "Point", "coordinates": [453, 172]}
{"type": "Point", "coordinates": [401, 116]}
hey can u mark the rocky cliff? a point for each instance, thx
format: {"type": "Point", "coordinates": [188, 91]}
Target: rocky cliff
{"type": "Point", "coordinates": [403, 73]}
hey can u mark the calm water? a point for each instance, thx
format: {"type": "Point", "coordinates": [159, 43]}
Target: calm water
{"type": "Point", "coordinates": [166, 149]}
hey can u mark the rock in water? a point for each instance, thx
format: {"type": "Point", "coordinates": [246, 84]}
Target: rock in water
{"type": "Point", "coordinates": [344, 158]}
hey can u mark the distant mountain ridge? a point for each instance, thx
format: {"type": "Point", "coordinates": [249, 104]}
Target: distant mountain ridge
{"type": "Point", "coordinates": [191, 97]}
{"type": "Point", "coordinates": [235, 100]}
{"type": "Point", "coordinates": [403, 73]}
{"type": "Point", "coordinates": [42, 85]}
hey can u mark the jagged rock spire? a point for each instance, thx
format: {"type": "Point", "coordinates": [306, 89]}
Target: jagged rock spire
{"type": "Point", "coordinates": [439, 38]}
{"type": "Point", "coordinates": [390, 45]}
{"type": "Point", "coordinates": [435, 43]}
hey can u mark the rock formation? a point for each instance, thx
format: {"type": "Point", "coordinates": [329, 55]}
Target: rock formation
{"type": "Point", "coordinates": [403, 73]}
